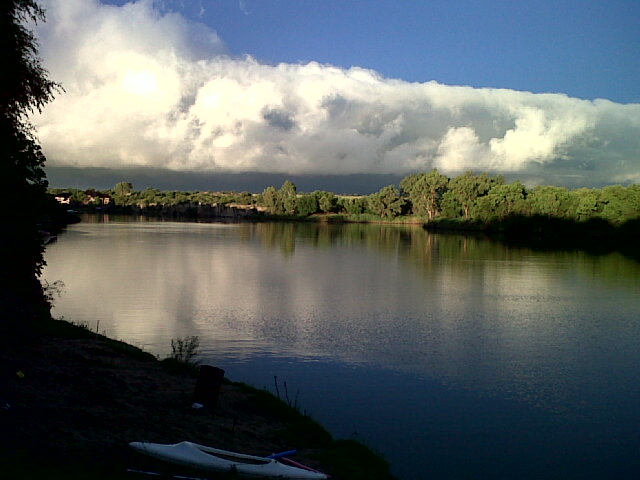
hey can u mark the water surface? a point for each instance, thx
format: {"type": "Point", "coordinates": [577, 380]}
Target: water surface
{"type": "Point", "coordinates": [454, 356]}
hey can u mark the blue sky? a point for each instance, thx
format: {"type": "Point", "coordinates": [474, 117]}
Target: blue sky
{"type": "Point", "coordinates": [584, 48]}
{"type": "Point", "coordinates": [316, 88]}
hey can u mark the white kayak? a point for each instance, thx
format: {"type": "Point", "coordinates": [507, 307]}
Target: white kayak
{"type": "Point", "coordinates": [205, 458]}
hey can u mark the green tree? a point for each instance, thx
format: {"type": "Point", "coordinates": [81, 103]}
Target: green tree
{"type": "Point", "coordinates": [24, 88]}
{"type": "Point", "coordinates": [588, 203]}
{"type": "Point", "coordinates": [425, 192]}
{"type": "Point", "coordinates": [464, 190]}
{"type": "Point", "coordinates": [307, 205]}
{"type": "Point", "coordinates": [271, 200]}
{"type": "Point", "coordinates": [500, 202]}
{"type": "Point", "coordinates": [288, 194]}
{"type": "Point", "coordinates": [203, 198]}
{"type": "Point", "coordinates": [123, 188]}
{"type": "Point", "coordinates": [551, 202]}
{"type": "Point", "coordinates": [122, 192]}
{"type": "Point", "coordinates": [327, 201]}
{"type": "Point", "coordinates": [244, 198]}
{"type": "Point", "coordinates": [386, 203]}
{"type": "Point", "coordinates": [619, 203]}
{"type": "Point", "coordinates": [352, 205]}
{"type": "Point", "coordinates": [77, 195]}
{"type": "Point", "coordinates": [150, 197]}
{"type": "Point", "coordinates": [450, 206]}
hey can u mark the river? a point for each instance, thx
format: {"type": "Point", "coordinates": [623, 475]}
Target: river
{"type": "Point", "coordinates": [455, 357]}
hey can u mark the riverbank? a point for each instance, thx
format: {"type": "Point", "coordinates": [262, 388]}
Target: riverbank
{"type": "Point", "coordinates": [538, 232]}
{"type": "Point", "coordinates": [72, 400]}
{"type": "Point", "coordinates": [240, 213]}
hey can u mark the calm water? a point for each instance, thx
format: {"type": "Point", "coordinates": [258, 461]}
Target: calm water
{"type": "Point", "coordinates": [457, 358]}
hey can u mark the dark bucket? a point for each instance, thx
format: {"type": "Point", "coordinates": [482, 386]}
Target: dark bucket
{"type": "Point", "coordinates": [208, 386]}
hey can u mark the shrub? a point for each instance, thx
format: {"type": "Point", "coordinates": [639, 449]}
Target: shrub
{"type": "Point", "coordinates": [183, 353]}
{"type": "Point", "coordinates": [184, 350]}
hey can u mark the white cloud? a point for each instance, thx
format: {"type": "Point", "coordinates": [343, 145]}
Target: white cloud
{"type": "Point", "coordinates": [146, 88]}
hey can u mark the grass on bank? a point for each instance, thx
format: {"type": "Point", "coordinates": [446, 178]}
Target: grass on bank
{"type": "Point", "coordinates": [65, 329]}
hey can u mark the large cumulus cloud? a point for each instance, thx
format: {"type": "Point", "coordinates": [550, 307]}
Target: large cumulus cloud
{"type": "Point", "coordinates": [149, 88]}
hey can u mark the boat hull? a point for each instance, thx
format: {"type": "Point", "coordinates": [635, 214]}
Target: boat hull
{"type": "Point", "coordinates": [211, 459]}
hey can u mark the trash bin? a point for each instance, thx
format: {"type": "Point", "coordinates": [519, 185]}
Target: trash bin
{"type": "Point", "coordinates": [208, 386]}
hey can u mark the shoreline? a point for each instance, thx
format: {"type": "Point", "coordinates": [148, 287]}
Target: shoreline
{"type": "Point", "coordinates": [594, 236]}
{"type": "Point", "coordinates": [72, 400]}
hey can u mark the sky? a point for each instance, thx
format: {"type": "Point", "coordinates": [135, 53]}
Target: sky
{"type": "Point", "coordinates": [341, 95]}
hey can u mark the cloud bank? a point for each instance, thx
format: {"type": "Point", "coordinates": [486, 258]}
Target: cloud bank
{"type": "Point", "coordinates": [147, 88]}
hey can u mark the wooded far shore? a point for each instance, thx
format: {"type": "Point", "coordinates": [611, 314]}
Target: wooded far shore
{"type": "Point", "coordinates": [549, 217]}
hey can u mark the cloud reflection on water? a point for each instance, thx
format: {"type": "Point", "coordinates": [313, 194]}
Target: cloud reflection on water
{"type": "Point", "coordinates": [541, 327]}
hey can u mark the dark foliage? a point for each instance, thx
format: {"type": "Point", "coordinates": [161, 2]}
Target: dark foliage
{"type": "Point", "coordinates": [595, 235]}
{"type": "Point", "coordinates": [24, 88]}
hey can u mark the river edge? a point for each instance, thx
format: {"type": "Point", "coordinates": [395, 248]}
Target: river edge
{"type": "Point", "coordinates": [595, 236]}
{"type": "Point", "coordinates": [72, 400]}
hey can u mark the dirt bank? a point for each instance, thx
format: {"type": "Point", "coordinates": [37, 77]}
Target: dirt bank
{"type": "Point", "coordinates": [71, 401]}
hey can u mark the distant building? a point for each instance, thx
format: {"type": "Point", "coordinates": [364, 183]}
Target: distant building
{"type": "Point", "coordinates": [93, 196]}
{"type": "Point", "coordinates": [63, 198]}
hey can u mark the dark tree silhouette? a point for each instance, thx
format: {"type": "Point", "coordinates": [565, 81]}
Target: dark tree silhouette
{"type": "Point", "coordinates": [24, 88]}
